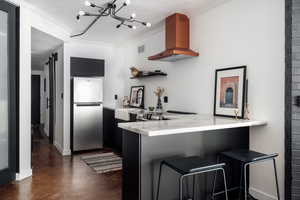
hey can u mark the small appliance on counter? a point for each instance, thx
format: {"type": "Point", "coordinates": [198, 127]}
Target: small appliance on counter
{"type": "Point", "coordinates": [87, 133]}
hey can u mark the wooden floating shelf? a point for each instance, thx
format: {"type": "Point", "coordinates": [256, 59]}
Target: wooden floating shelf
{"type": "Point", "coordinates": [151, 74]}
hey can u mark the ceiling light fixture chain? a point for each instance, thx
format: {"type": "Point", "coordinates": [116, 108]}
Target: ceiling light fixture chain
{"type": "Point", "coordinates": [109, 9]}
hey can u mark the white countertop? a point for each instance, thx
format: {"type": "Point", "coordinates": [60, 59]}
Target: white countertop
{"type": "Point", "coordinates": [180, 124]}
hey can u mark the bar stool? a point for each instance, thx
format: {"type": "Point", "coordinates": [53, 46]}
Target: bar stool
{"type": "Point", "coordinates": [191, 166]}
{"type": "Point", "coordinates": [247, 157]}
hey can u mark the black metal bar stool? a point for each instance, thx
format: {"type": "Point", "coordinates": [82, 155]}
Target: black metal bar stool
{"type": "Point", "coordinates": [191, 166]}
{"type": "Point", "coordinates": [247, 157]}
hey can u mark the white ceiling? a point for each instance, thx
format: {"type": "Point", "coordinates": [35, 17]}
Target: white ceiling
{"type": "Point", "coordinates": [153, 11]}
{"type": "Point", "coordinates": [42, 46]}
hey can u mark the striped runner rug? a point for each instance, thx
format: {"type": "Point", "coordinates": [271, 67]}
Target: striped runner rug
{"type": "Point", "coordinates": [103, 162]}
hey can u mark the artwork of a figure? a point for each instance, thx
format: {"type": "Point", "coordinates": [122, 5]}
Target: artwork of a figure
{"type": "Point", "coordinates": [137, 96]}
{"type": "Point", "coordinates": [229, 92]}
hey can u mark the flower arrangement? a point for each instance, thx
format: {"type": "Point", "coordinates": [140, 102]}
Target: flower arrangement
{"type": "Point", "coordinates": [159, 92]}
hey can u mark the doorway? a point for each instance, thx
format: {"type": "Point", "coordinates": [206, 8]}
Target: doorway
{"type": "Point", "coordinates": [8, 91]}
{"type": "Point", "coordinates": [44, 89]}
{"type": "Point", "coordinates": [35, 100]}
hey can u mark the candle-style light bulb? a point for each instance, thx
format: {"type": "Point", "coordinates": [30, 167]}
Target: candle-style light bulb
{"type": "Point", "coordinates": [127, 2]}
{"type": "Point", "coordinates": [87, 3]}
{"type": "Point", "coordinates": [133, 15]}
{"type": "Point", "coordinates": [148, 24]}
{"type": "Point", "coordinates": [81, 13]}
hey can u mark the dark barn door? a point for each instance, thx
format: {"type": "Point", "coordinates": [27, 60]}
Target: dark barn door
{"type": "Point", "coordinates": [8, 92]}
{"type": "Point", "coordinates": [35, 99]}
{"type": "Point", "coordinates": [52, 100]}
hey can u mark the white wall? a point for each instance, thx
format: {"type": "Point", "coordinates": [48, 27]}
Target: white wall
{"type": "Point", "coordinates": [47, 95]}
{"type": "Point", "coordinates": [30, 17]}
{"type": "Point", "coordinates": [59, 104]}
{"type": "Point", "coordinates": [236, 33]}
{"type": "Point", "coordinates": [233, 34]}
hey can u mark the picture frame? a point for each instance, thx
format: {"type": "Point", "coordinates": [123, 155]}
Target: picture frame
{"type": "Point", "coordinates": [137, 94]}
{"type": "Point", "coordinates": [230, 92]}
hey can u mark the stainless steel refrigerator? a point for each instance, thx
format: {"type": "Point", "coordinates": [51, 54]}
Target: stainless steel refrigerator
{"type": "Point", "coordinates": [87, 113]}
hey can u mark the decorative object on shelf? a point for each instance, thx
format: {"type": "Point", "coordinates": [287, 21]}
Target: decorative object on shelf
{"type": "Point", "coordinates": [151, 108]}
{"type": "Point", "coordinates": [230, 87]}
{"type": "Point", "coordinates": [159, 92]}
{"type": "Point", "coordinates": [135, 72]}
{"type": "Point", "coordinates": [236, 113]}
{"type": "Point", "coordinates": [125, 101]}
{"type": "Point", "coordinates": [137, 96]}
{"type": "Point", "coordinates": [247, 111]}
{"type": "Point", "coordinates": [110, 9]}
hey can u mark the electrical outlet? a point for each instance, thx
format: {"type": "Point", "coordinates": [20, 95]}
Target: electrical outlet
{"type": "Point", "coordinates": [166, 99]}
{"type": "Point", "coordinates": [297, 101]}
{"type": "Point", "coordinates": [141, 49]}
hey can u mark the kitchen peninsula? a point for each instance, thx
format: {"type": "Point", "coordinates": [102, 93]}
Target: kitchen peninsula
{"type": "Point", "coordinates": [145, 144]}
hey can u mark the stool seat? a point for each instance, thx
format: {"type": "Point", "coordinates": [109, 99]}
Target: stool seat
{"type": "Point", "coordinates": [246, 156]}
{"type": "Point", "coordinates": [192, 164]}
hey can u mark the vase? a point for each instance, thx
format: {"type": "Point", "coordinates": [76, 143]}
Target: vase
{"type": "Point", "coordinates": [159, 107]}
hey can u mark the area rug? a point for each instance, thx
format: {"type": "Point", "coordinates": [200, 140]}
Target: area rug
{"type": "Point", "coordinates": [103, 162]}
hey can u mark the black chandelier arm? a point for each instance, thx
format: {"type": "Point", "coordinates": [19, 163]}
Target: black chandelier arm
{"type": "Point", "coordinates": [143, 23]}
{"type": "Point", "coordinates": [122, 19]}
{"type": "Point", "coordinates": [95, 15]}
{"type": "Point", "coordinates": [87, 28]}
{"type": "Point", "coordinates": [92, 23]}
{"type": "Point", "coordinates": [116, 11]}
{"type": "Point", "coordinates": [109, 9]}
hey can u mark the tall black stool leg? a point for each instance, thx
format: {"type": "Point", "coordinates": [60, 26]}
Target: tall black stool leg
{"type": "Point", "coordinates": [241, 181]}
{"type": "Point", "coordinates": [194, 181]}
{"type": "Point", "coordinates": [159, 176]}
{"type": "Point", "coordinates": [276, 179]}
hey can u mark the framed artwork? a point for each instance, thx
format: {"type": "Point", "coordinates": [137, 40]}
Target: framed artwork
{"type": "Point", "coordinates": [137, 96]}
{"type": "Point", "coordinates": [230, 88]}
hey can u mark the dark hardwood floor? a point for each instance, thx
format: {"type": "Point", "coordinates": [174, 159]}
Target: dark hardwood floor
{"type": "Point", "coordinates": [62, 178]}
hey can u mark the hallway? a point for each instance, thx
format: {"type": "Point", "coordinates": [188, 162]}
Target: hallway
{"type": "Point", "coordinates": [62, 178]}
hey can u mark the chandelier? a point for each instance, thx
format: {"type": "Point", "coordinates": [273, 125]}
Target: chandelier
{"type": "Point", "coordinates": [109, 9]}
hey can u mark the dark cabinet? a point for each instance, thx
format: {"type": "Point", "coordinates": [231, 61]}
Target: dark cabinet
{"type": "Point", "coordinates": [87, 67]}
{"type": "Point", "coordinates": [118, 136]}
{"type": "Point", "coordinates": [108, 127]}
{"type": "Point", "coordinates": [112, 135]}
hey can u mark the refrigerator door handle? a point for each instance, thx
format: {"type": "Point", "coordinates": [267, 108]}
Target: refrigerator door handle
{"type": "Point", "coordinates": [89, 104]}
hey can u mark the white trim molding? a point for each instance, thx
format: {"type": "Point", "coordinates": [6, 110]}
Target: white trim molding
{"type": "Point", "coordinates": [64, 152]}
{"type": "Point", "coordinates": [23, 175]}
{"type": "Point", "coordinates": [67, 152]}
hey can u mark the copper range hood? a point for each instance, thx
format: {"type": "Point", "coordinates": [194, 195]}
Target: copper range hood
{"type": "Point", "coordinates": [177, 40]}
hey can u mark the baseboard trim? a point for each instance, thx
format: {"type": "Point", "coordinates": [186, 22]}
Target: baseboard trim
{"type": "Point", "coordinates": [261, 195]}
{"type": "Point", "coordinates": [67, 152]}
{"type": "Point", "coordinates": [64, 152]}
{"type": "Point", "coordinates": [58, 147]}
{"type": "Point", "coordinates": [46, 132]}
{"type": "Point", "coordinates": [23, 175]}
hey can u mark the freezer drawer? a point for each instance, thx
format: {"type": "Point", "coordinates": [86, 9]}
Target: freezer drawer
{"type": "Point", "coordinates": [87, 127]}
